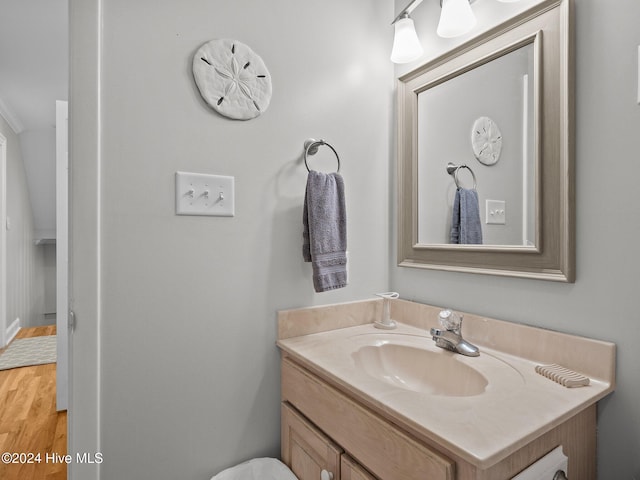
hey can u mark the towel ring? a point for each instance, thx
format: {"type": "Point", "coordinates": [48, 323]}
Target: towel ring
{"type": "Point", "coordinates": [453, 169]}
{"type": "Point", "coordinates": [311, 148]}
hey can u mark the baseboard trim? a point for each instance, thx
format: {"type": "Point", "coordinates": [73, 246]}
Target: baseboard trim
{"type": "Point", "coordinates": [13, 330]}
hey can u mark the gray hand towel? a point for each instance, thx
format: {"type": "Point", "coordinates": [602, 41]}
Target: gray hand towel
{"type": "Point", "coordinates": [465, 222]}
{"type": "Point", "coordinates": [324, 220]}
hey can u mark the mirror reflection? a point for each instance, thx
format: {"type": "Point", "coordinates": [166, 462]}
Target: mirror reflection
{"type": "Point", "coordinates": [476, 157]}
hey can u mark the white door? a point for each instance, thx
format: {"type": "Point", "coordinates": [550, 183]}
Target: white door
{"type": "Point", "coordinates": [62, 254]}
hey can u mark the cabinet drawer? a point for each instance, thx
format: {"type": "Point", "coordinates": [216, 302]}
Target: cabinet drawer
{"type": "Point", "coordinates": [387, 452]}
{"type": "Point", "coordinates": [305, 450]}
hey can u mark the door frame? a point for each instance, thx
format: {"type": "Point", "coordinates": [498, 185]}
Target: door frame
{"type": "Point", "coordinates": [3, 241]}
{"type": "Point", "coordinates": [85, 290]}
{"type": "Point", "coordinates": [62, 255]}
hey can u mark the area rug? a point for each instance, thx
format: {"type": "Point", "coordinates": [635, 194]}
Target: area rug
{"type": "Point", "coordinates": [25, 352]}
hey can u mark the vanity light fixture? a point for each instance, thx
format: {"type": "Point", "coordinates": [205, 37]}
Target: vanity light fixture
{"type": "Point", "coordinates": [406, 44]}
{"type": "Point", "coordinates": [456, 19]}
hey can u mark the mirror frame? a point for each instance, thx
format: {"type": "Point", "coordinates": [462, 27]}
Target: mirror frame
{"type": "Point", "coordinates": [549, 26]}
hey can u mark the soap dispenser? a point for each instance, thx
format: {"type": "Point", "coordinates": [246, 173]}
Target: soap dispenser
{"type": "Point", "coordinates": [386, 322]}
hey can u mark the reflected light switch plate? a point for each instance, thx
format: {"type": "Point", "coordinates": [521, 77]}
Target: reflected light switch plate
{"type": "Point", "coordinates": [201, 194]}
{"type": "Point", "coordinates": [496, 212]}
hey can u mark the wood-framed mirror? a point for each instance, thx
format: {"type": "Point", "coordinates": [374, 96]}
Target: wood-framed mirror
{"type": "Point", "coordinates": [532, 104]}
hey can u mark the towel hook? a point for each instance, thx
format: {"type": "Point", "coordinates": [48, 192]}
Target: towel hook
{"type": "Point", "coordinates": [453, 169]}
{"type": "Point", "coordinates": [311, 148]}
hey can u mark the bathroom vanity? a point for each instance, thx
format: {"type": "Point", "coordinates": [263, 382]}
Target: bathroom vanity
{"type": "Point", "coordinates": [359, 403]}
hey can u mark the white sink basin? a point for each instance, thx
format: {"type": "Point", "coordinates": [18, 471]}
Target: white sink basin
{"type": "Point", "coordinates": [420, 370]}
{"type": "Point", "coordinates": [413, 363]}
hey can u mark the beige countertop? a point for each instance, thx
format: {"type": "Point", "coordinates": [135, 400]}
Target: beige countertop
{"type": "Point", "coordinates": [514, 406]}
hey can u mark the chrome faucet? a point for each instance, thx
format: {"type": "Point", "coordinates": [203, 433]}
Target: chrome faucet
{"type": "Point", "coordinates": [451, 337]}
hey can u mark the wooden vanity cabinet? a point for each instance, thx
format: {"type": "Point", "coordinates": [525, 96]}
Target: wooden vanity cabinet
{"type": "Point", "coordinates": [324, 428]}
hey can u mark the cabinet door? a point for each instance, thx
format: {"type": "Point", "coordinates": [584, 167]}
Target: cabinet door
{"type": "Point", "coordinates": [351, 470]}
{"type": "Point", "coordinates": [306, 450]}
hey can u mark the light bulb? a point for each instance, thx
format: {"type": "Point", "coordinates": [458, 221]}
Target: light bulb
{"type": "Point", "coordinates": [456, 18]}
{"type": "Point", "coordinates": [406, 44]}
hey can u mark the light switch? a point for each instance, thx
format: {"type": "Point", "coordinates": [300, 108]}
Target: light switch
{"type": "Point", "coordinates": [496, 212]}
{"type": "Point", "coordinates": [202, 194]}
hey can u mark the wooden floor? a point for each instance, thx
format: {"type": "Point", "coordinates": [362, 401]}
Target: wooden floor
{"type": "Point", "coordinates": [29, 423]}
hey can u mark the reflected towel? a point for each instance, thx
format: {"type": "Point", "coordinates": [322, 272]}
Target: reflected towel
{"type": "Point", "coordinates": [465, 223]}
{"type": "Point", "coordinates": [324, 220]}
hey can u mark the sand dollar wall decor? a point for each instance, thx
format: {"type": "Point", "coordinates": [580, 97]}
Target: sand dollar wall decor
{"type": "Point", "coordinates": [232, 79]}
{"type": "Point", "coordinates": [486, 140]}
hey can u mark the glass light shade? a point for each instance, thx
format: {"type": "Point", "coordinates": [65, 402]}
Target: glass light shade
{"type": "Point", "coordinates": [456, 18]}
{"type": "Point", "coordinates": [406, 44]}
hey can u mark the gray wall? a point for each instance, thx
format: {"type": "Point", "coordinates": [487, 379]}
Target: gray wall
{"type": "Point", "coordinates": [50, 287]}
{"type": "Point", "coordinates": [186, 322]}
{"type": "Point", "coordinates": [603, 303]}
{"type": "Point", "coordinates": [25, 260]}
{"type": "Point", "coordinates": [175, 371]}
{"type": "Point", "coordinates": [39, 155]}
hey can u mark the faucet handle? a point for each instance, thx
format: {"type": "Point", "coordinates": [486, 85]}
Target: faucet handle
{"type": "Point", "coordinates": [450, 320]}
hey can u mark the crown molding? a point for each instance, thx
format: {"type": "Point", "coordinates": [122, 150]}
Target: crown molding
{"type": "Point", "coordinates": [12, 119]}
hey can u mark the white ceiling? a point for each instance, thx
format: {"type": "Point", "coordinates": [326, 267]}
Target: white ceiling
{"type": "Point", "coordinates": [33, 61]}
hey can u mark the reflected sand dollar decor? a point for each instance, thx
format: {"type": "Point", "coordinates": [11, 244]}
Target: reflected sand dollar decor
{"type": "Point", "coordinates": [486, 140]}
{"type": "Point", "coordinates": [232, 79]}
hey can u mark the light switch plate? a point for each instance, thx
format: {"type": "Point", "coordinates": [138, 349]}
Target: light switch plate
{"type": "Point", "coordinates": [202, 194]}
{"type": "Point", "coordinates": [496, 212]}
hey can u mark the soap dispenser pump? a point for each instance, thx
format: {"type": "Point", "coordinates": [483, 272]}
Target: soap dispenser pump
{"type": "Point", "coordinates": [386, 322]}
